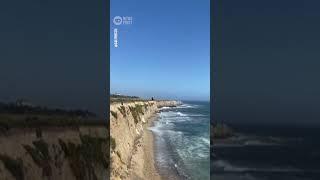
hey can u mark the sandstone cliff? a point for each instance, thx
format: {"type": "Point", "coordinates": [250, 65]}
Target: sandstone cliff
{"type": "Point", "coordinates": [64, 153]}
{"type": "Point", "coordinates": [127, 124]}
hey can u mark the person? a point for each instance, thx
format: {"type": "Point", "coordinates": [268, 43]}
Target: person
{"type": "Point", "coordinates": [152, 99]}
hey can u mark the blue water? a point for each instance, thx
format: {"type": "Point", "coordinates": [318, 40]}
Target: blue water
{"type": "Point", "coordinates": [182, 141]}
{"type": "Point", "coordinates": [268, 152]}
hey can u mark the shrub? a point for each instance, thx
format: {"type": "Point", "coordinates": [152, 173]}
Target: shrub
{"type": "Point", "coordinates": [135, 114]}
{"type": "Point", "coordinates": [112, 143]}
{"type": "Point", "coordinates": [40, 155]}
{"type": "Point", "coordinates": [114, 114]}
{"type": "Point", "coordinates": [122, 110]}
{"type": "Point", "coordinates": [15, 166]}
{"type": "Point", "coordinates": [82, 157]}
{"type": "Point", "coordinates": [139, 109]}
{"type": "Point", "coordinates": [145, 106]}
{"type": "Point", "coordinates": [136, 111]}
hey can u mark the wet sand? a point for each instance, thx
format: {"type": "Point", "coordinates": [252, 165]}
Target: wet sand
{"type": "Point", "coordinates": [150, 166]}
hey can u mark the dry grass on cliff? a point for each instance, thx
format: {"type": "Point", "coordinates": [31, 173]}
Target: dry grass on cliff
{"type": "Point", "coordinates": [14, 166]}
{"type": "Point", "coordinates": [83, 157]}
{"type": "Point", "coordinates": [136, 111]}
{"type": "Point", "coordinates": [8, 121]}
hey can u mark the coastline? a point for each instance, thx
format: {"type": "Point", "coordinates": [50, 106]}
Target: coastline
{"type": "Point", "coordinates": [132, 151]}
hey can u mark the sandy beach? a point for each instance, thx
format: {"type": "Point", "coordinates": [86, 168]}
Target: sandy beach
{"type": "Point", "coordinates": [150, 167]}
{"type": "Point", "coordinates": [143, 159]}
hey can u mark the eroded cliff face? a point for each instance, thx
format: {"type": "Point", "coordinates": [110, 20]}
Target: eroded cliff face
{"type": "Point", "coordinates": [127, 122]}
{"type": "Point", "coordinates": [65, 153]}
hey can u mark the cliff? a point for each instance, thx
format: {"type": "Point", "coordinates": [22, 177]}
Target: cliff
{"type": "Point", "coordinates": [66, 153]}
{"type": "Point", "coordinates": [127, 124]}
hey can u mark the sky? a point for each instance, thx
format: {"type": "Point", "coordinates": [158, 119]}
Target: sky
{"type": "Point", "coordinates": [53, 53]}
{"type": "Point", "coordinates": [266, 61]}
{"type": "Point", "coordinates": [165, 52]}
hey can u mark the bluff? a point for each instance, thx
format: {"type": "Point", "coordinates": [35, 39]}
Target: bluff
{"type": "Point", "coordinates": [66, 153]}
{"type": "Point", "coordinates": [127, 122]}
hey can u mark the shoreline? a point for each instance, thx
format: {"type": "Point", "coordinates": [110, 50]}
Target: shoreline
{"type": "Point", "coordinates": [149, 145]}
{"type": "Point", "coordinates": [143, 163]}
{"type": "Point", "coordinates": [133, 148]}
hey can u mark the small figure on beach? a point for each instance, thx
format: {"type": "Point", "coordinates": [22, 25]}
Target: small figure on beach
{"type": "Point", "coordinates": [152, 99]}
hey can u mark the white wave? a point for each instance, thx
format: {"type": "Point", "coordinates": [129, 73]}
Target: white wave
{"type": "Point", "coordinates": [241, 140]}
{"type": "Point", "coordinates": [165, 107]}
{"type": "Point", "coordinates": [168, 114]}
{"type": "Point", "coordinates": [205, 140]}
{"type": "Point", "coordinates": [228, 167]}
{"type": "Point", "coordinates": [197, 115]}
{"type": "Point", "coordinates": [192, 148]}
{"type": "Point", "coordinates": [258, 143]}
{"type": "Point", "coordinates": [173, 117]}
{"type": "Point", "coordinates": [187, 106]}
{"type": "Point", "coordinates": [181, 114]}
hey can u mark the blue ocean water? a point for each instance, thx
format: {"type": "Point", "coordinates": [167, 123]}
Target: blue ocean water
{"type": "Point", "coordinates": [268, 152]}
{"type": "Point", "coordinates": [182, 141]}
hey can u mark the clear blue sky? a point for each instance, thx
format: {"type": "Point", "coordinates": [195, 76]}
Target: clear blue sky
{"type": "Point", "coordinates": [165, 52]}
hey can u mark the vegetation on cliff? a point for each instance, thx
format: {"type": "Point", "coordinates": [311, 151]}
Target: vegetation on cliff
{"type": "Point", "coordinates": [19, 115]}
{"type": "Point", "coordinates": [15, 166]}
{"type": "Point", "coordinates": [114, 114]}
{"type": "Point", "coordinates": [85, 156]}
{"type": "Point", "coordinates": [40, 155]}
{"type": "Point", "coordinates": [123, 98]}
{"type": "Point", "coordinates": [88, 159]}
{"type": "Point", "coordinates": [122, 110]}
{"type": "Point", "coordinates": [136, 111]}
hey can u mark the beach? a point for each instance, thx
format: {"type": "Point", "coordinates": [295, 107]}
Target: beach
{"type": "Point", "coordinates": [150, 167]}
{"type": "Point", "coordinates": [143, 159]}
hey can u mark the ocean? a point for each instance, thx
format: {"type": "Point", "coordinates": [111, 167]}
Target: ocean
{"type": "Point", "coordinates": [182, 141]}
{"type": "Point", "coordinates": [268, 152]}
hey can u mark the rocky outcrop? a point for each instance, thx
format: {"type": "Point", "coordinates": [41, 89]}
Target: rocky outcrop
{"type": "Point", "coordinates": [127, 121]}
